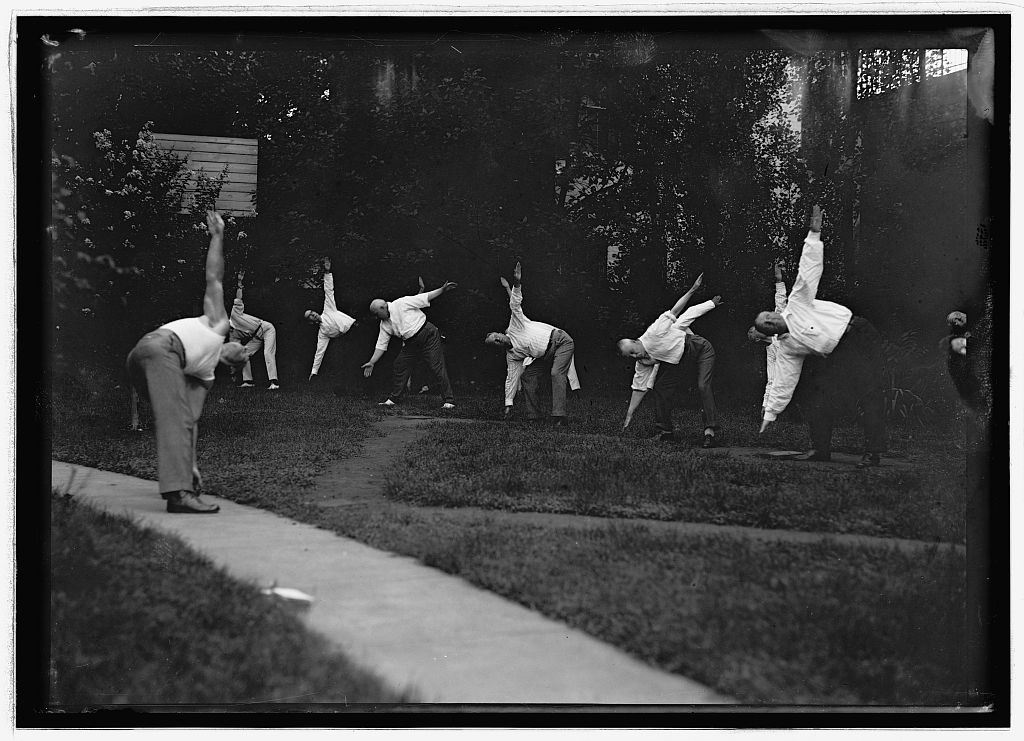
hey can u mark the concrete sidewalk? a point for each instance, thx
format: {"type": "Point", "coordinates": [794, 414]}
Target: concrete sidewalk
{"type": "Point", "coordinates": [415, 627]}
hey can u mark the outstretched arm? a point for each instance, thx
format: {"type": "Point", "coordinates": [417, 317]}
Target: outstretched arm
{"type": "Point", "coordinates": [213, 300]}
{"type": "Point", "coordinates": [780, 290]}
{"type": "Point", "coordinates": [329, 304]}
{"type": "Point", "coordinates": [368, 366]}
{"type": "Point", "coordinates": [815, 225]}
{"type": "Point", "coordinates": [693, 312]}
{"type": "Point", "coordinates": [322, 341]}
{"type": "Point", "coordinates": [238, 305]}
{"type": "Point", "coordinates": [449, 286]}
{"type": "Point", "coordinates": [634, 402]}
{"type": "Point", "coordinates": [812, 258]}
{"type": "Point", "coordinates": [517, 280]}
{"type": "Point", "coordinates": [788, 366]}
{"type": "Point", "coordinates": [513, 376]}
{"type": "Point", "coordinates": [685, 298]}
{"type": "Point", "coordinates": [383, 338]}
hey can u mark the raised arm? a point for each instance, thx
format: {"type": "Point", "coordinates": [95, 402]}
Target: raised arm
{"type": "Point", "coordinates": [329, 304]}
{"type": "Point", "coordinates": [685, 298]}
{"type": "Point", "coordinates": [238, 289]}
{"type": "Point", "coordinates": [213, 300]}
{"type": "Point", "coordinates": [780, 290]}
{"type": "Point", "coordinates": [812, 258]}
{"type": "Point", "coordinates": [449, 286]}
{"type": "Point", "coordinates": [693, 312]}
{"type": "Point", "coordinates": [515, 295]}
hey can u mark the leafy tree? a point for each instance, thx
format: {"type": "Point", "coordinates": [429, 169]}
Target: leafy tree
{"type": "Point", "coordinates": [124, 256]}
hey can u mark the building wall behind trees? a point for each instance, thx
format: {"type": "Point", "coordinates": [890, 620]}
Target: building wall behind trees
{"type": "Point", "coordinates": [451, 175]}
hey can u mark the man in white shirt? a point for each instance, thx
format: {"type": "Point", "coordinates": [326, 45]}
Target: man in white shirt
{"type": "Point", "coordinates": [175, 366]}
{"type": "Point", "coordinates": [851, 349]}
{"type": "Point", "coordinates": [667, 355]}
{"type": "Point", "coordinates": [404, 318]}
{"type": "Point", "coordinates": [532, 348]}
{"type": "Point", "coordinates": [772, 341]}
{"type": "Point", "coordinates": [331, 322]}
{"type": "Point", "coordinates": [254, 333]}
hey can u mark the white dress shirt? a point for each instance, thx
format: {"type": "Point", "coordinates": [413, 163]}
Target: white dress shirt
{"type": "Point", "coordinates": [665, 342]}
{"type": "Point", "coordinates": [333, 323]}
{"type": "Point", "coordinates": [773, 344]}
{"type": "Point", "coordinates": [405, 319]}
{"type": "Point", "coordinates": [529, 342]}
{"type": "Point", "coordinates": [815, 327]}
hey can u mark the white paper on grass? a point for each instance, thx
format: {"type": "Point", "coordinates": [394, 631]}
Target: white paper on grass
{"type": "Point", "coordinates": [287, 593]}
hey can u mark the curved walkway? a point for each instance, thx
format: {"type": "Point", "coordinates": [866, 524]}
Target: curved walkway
{"type": "Point", "coordinates": [420, 630]}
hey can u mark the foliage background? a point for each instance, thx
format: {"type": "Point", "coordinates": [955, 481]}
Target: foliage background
{"type": "Point", "coordinates": [407, 157]}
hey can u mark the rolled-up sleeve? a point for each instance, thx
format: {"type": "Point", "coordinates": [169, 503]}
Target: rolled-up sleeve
{"type": "Point", "coordinates": [769, 354]}
{"type": "Point", "coordinates": [780, 296]}
{"type": "Point", "coordinates": [512, 378]}
{"type": "Point", "coordinates": [692, 313]}
{"type": "Point", "coordinates": [805, 287]}
{"type": "Point", "coordinates": [644, 376]}
{"type": "Point", "coordinates": [788, 365]}
{"type": "Point", "coordinates": [322, 341]}
{"type": "Point", "coordinates": [515, 305]}
{"type": "Point", "coordinates": [329, 304]}
{"type": "Point", "coordinates": [418, 301]}
{"type": "Point", "coordinates": [383, 338]}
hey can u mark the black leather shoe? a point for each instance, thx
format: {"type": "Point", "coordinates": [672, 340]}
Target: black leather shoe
{"type": "Point", "coordinates": [665, 437]}
{"type": "Point", "coordinates": [561, 421]}
{"type": "Point", "coordinates": [870, 460]}
{"type": "Point", "coordinates": [709, 441]}
{"type": "Point", "coordinates": [187, 503]}
{"type": "Point", "coordinates": [814, 455]}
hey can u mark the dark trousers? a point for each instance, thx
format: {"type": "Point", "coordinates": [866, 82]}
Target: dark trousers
{"type": "Point", "coordinates": [156, 367]}
{"type": "Point", "coordinates": [425, 344]}
{"type": "Point", "coordinates": [556, 360]}
{"type": "Point", "coordinates": [851, 377]}
{"type": "Point", "coordinates": [698, 364]}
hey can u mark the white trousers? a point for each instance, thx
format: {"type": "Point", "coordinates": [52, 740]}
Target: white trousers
{"type": "Point", "coordinates": [265, 337]}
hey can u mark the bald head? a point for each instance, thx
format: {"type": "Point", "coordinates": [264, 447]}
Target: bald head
{"type": "Point", "coordinates": [379, 308]}
{"type": "Point", "coordinates": [629, 348]}
{"type": "Point", "coordinates": [233, 354]}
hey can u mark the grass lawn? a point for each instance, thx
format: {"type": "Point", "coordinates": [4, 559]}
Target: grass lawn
{"type": "Point", "coordinates": [137, 618]}
{"type": "Point", "coordinates": [516, 468]}
{"type": "Point", "coordinates": [771, 622]}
